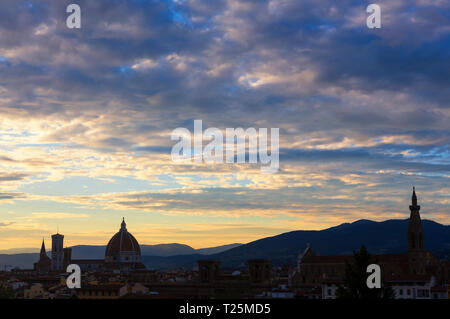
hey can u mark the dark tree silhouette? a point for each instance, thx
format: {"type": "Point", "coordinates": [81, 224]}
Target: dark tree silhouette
{"type": "Point", "coordinates": [355, 280]}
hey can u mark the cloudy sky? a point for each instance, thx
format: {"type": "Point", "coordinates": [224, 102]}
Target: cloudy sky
{"type": "Point", "coordinates": [86, 116]}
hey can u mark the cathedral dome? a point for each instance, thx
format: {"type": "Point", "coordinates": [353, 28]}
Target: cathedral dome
{"type": "Point", "coordinates": [123, 247]}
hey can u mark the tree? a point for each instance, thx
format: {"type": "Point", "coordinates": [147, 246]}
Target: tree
{"type": "Point", "coordinates": [355, 286]}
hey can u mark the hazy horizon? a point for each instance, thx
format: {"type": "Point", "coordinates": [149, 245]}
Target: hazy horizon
{"type": "Point", "coordinates": [17, 250]}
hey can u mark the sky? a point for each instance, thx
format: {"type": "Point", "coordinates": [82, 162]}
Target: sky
{"type": "Point", "coordinates": [86, 117]}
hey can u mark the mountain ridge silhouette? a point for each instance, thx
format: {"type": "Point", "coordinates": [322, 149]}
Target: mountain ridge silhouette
{"type": "Point", "coordinates": [385, 237]}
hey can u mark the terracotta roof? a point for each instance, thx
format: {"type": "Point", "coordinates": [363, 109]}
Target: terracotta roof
{"type": "Point", "coordinates": [122, 241]}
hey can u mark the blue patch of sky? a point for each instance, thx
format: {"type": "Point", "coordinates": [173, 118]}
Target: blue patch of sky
{"type": "Point", "coordinates": [313, 26]}
{"type": "Point", "coordinates": [28, 4]}
{"type": "Point", "coordinates": [434, 156]}
{"type": "Point", "coordinates": [124, 69]}
{"type": "Point", "coordinates": [21, 134]}
{"type": "Point", "coordinates": [174, 8]}
{"type": "Point", "coordinates": [177, 15]}
{"type": "Point", "coordinates": [231, 89]}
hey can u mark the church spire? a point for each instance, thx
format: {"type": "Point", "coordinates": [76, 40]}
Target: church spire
{"type": "Point", "coordinates": [414, 197]}
{"type": "Point", "coordinates": [43, 252]}
{"type": "Point", "coordinates": [415, 231]}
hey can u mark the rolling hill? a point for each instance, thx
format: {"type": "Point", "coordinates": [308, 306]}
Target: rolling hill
{"type": "Point", "coordinates": [26, 260]}
{"type": "Point", "coordinates": [379, 237]}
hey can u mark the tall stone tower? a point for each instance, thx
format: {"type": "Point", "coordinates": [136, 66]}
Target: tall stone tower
{"type": "Point", "coordinates": [417, 255]}
{"type": "Point", "coordinates": [57, 252]}
{"type": "Point", "coordinates": [415, 231]}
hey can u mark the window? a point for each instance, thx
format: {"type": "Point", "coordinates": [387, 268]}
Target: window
{"type": "Point", "coordinates": [408, 292]}
{"type": "Point", "coordinates": [329, 292]}
{"type": "Point", "coordinates": [400, 292]}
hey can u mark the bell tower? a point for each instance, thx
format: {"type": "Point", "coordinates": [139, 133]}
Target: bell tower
{"type": "Point", "coordinates": [417, 255]}
{"type": "Point", "coordinates": [415, 231]}
{"type": "Point", "coordinates": [57, 252]}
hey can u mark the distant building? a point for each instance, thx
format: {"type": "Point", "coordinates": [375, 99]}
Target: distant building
{"type": "Point", "coordinates": [44, 263]}
{"type": "Point", "coordinates": [57, 252]}
{"type": "Point", "coordinates": [123, 251]}
{"type": "Point", "coordinates": [415, 268]}
{"type": "Point", "coordinates": [122, 254]}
